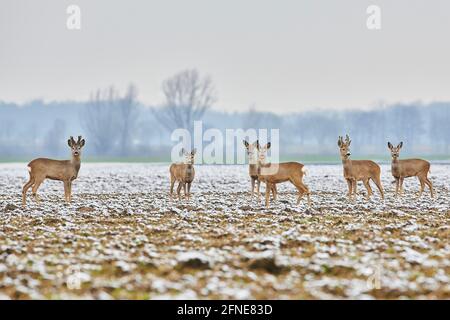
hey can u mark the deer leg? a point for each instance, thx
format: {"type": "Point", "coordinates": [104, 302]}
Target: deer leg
{"type": "Point", "coordinates": [258, 186]}
{"type": "Point", "coordinates": [69, 191]}
{"type": "Point", "coordinates": [179, 190]}
{"type": "Point", "coordinates": [377, 182]}
{"type": "Point", "coordinates": [305, 190]}
{"type": "Point", "coordinates": [253, 186]}
{"type": "Point", "coordinates": [430, 185]}
{"type": "Point", "coordinates": [369, 190]}
{"type": "Point", "coordinates": [354, 188]}
{"type": "Point", "coordinates": [302, 189]}
{"type": "Point", "coordinates": [172, 183]}
{"type": "Point", "coordinates": [401, 186]}
{"type": "Point", "coordinates": [35, 188]}
{"type": "Point", "coordinates": [184, 190]}
{"type": "Point", "coordinates": [268, 186]}
{"type": "Point", "coordinates": [189, 189]}
{"type": "Point", "coordinates": [308, 193]}
{"type": "Point", "coordinates": [274, 192]}
{"type": "Point", "coordinates": [350, 188]}
{"type": "Point", "coordinates": [66, 191]}
{"type": "Point", "coordinates": [422, 185]}
{"type": "Point", "coordinates": [25, 190]}
{"type": "Point", "coordinates": [397, 184]}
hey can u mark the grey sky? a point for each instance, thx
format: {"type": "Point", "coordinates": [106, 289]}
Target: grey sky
{"type": "Point", "coordinates": [275, 55]}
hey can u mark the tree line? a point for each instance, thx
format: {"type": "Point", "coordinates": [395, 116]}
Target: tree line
{"type": "Point", "coordinates": [116, 124]}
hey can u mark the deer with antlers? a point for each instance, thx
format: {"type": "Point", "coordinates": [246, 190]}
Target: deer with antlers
{"type": "Point", "coordinates": [273, 173]}
{"type": "Point", "coordinates": [184, 173]}
{"type": "Point", "coordinates": [358, 170]}
{"type": "Point", "coordinates": [61, 170]}
{"type": "Point", "coordinates": [406, 168]}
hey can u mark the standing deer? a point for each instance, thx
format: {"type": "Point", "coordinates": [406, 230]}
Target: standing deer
{"type": "Point", "coordinates": [402, 169]}
{"type": "Point", "coordinates": [183, 173]}
{"type": "Point", "coordinates": [61, 170]}
{"type": "Point", "coordinates": [252, 164]}
{"type": "Point", "coordinates": [274, 173]}
{"type": "Point", "coordinates": [252, 153]}
{"type": "Point", "coordinates": [358, 170]}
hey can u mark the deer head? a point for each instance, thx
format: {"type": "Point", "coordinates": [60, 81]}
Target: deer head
{"type": "Point", "coordinates": [251, 148]}
{"type": "Point", "coordinates": [189, 156]}
{"type": "Point", "coordinates": [262, 151]}
{"type": "Point", "coordinates": [395, 151]}
{"type": "Point", "coordinates": [76, 146]}
{"type": "Point", "coordinates": [344, 147]}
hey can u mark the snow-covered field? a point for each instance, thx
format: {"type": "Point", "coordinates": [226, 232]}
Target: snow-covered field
{"type": "Point", "coordinates": [123, 237]}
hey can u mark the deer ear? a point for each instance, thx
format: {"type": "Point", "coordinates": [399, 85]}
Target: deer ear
{"type": "Point", "coordinates": [257, 144]}
{"type": "Point", "coordinates": [400, 145]}
{"type": "Point", "coordinates": [268, 145]}
{"type": "Point", "coordinates": [194, 151]}
{"type": "Point", "coordinates": [245, 143]}
{"type": "Point", "coordinates": [390, 145]}
{"type": "Point", "coordinates": [69, 142]}
{"type": "Point", "coordinates": [339, 141]}
{"type": "Point", "coordinates": [82, 142]}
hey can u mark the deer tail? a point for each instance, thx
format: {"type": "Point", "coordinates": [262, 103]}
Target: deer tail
{"type": "Point", "coordinates": [304, 171]}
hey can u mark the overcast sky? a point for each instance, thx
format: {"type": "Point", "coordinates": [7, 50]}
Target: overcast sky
{"type": "Point", "coordinates": [276, 55]}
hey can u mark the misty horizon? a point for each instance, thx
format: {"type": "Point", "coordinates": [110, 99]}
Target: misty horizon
{"type": "Point", "coordinates": [423, 128]}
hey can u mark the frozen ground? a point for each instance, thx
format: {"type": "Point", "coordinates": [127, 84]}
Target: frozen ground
{"type": "Point", "coordinates": [122, 237]}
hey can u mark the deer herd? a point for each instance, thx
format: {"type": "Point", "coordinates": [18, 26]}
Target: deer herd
{"type": "Point", "coordinates": [259, 171]}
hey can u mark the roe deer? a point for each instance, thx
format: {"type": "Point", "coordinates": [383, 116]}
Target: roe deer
{"type": "Point", "coordinates": [252, 153]}
{"type": "Point", "coordinates": [402, 169]}
{"type": "Point", "coordinates": [274, 173]}
{"type": "Point", "coordinates": [61, 170]}
{"type": "Point", "coordinates": [358, 170]}
{"type": "Point", "coordinates": [183, 173]}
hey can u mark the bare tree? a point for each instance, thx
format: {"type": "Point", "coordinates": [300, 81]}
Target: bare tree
{"type": "Point", "coordinates": [99, 120]}
{"type": "Point", "coordinates": [439, 129]}
{"type": "Point", "coordinates": [252, 118]}
{"type": "Point", "coordinates": [127, 118]}
{"type": "Point", "coordinates": [187, 97]}
{"type": "Point", "coordinates": [53, 142]}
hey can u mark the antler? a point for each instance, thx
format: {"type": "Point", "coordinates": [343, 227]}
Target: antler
{"type": "Point", "coordinates": [79, 140]}
{"type": "Point", "coordinates": [347, 138]}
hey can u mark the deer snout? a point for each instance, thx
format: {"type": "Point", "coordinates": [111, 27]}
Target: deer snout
{"type": "Point", "coordinates": [348, 154]}
{"type": "Point", "coordinates": [76, 153]}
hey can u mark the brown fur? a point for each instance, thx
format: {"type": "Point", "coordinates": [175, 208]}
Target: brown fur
{"type": "Point", "coordinates": [406, 168]}
{"type": "Point", "coordinates": [252, 150]}
{"type": "Point", "coordinates": [184, 173]}
{"type": "Point", "coordinates": [359, 170]}
{"type": "Point", "coordinates": [61, 170]}
{"type": "Point", "coordinates": [273, 173]}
